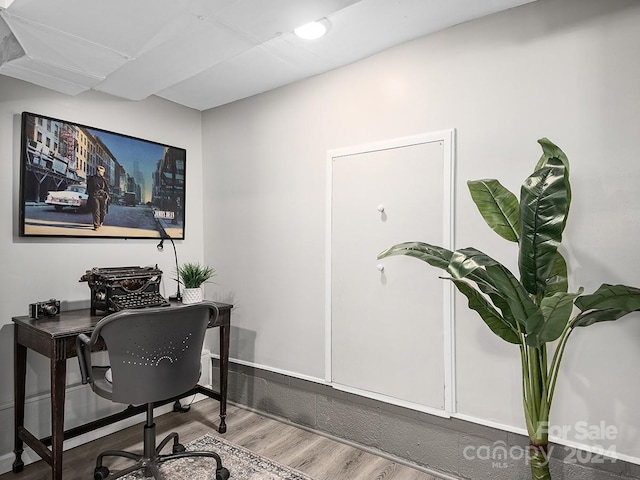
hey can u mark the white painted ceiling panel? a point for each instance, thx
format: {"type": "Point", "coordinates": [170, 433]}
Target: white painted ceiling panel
{"type": "Point", "coordinates": [122, 25]}
{"type": "Point", "coordinates": [234, 79]}
{"type": "Point", "coordinates": [205, 53]}
{"type": "Point", "coordinates": [65, 52]}
{"type": "Point", "coordinates": [191, 52]}
{"type": "Point", "coordinates": [27, 70]}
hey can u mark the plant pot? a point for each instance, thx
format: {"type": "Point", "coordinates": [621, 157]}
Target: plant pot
{"type": "Point", "coordinates": [192, 295]}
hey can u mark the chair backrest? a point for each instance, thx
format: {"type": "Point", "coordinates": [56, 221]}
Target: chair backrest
{"type": "Point", "coordinates": [154, 353]}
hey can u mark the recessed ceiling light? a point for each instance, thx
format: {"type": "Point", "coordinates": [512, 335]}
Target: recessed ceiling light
{"type": "Point", "coordinates": [313, 30]}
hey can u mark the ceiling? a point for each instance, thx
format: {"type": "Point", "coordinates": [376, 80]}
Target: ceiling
{"type": "Point", "coordinates": [206, 53]}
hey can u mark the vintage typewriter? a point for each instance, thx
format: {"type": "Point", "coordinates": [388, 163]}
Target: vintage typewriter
{"type": "Point", "coordinates": [119, 288]}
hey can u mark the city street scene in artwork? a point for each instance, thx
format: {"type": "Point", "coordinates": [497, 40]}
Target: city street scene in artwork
{"type": "Point", "coordinates": [141, 183]}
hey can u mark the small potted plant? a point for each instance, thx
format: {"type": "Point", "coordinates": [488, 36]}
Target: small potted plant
{"type": "Point", "coordinates": [192, 276]}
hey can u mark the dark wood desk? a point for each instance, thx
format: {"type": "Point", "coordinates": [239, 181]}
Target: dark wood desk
{"type": "Point", "coordinates": [55, 338]}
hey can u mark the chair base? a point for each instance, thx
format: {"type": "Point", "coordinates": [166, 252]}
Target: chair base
{"type": "Point", "coordinates": [151, 459]}
{"type": "Point", "coordinates": [151, 466]}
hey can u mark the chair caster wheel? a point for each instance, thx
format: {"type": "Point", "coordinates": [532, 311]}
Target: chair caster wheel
{"type": "Point", "coordinates": [222, 474]}
{"type": "Point", "coordinates": [178, 448]}
{"type": "Point", "coordinates": [100, 473]}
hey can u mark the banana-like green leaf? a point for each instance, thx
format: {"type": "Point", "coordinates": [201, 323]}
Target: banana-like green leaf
{"type": "Point", "coordinates": [611, 296]}
{"type": "Point", "coordinates": [609, 302]}
{"type": "Point", "coordinates": [438, 257]}
{"type": "Point", "coordinates": [543, 210]}
{"type": "Point", "coordinates": [432, 254]}
{"type": "Point", "coordinates": [556, 313]}
{"type": "Point", "coordinates": [486, 285]}
{"type": "Point", "coordinates": [498, 325]}
{"type": "Point", "coordinates": [557, 279]}
{"type": "Point", "coordinates": [595, 316]}
{"type": "Point", "coordinates": [467, 260]}
{"type": "Point", "coordinates": [498, 206]}
{"type": "Point", "coordinates": [497, 300]}
{"type": "Point", "coordinates": [522, 308]}
{"type": "Point", "coordinates": [550, 150]}
{"type": "Point", "coordinates": [470, 261]}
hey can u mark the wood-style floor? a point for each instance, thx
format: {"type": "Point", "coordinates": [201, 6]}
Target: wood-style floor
{"type": "Point", "coordinates": [320, 457]}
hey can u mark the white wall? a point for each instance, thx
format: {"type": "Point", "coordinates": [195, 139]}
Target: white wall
{"type": "Point", "coordinates": [567, 70]}
{"type": "Point", "coordinates": [38, 269]}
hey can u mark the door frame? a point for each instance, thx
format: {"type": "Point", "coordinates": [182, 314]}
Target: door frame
{"type": "Point", "coordinates": [447, 137]}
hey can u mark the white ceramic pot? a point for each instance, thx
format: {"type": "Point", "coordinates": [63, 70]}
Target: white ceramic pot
{"type": "Point", "coordinates": [192, 295]}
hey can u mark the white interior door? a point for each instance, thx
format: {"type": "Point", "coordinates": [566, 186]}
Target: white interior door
{"type": "Point", "coordinates": [387, 334]}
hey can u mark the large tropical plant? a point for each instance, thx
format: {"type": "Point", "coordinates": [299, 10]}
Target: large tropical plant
{"type": "Point", "coordinates": [538, 308]}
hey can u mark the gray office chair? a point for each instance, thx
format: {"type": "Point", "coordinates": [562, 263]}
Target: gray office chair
{"type": "Point", "coordinates": [154, 355]}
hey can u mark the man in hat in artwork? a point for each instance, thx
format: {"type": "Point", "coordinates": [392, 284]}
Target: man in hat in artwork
{"type": "Point", "coordinates": [98, 191]}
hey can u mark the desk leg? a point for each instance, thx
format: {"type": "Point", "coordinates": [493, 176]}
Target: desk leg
{"type": "Point", "coordinates": [58, 391]}
{"type": "Point", "coordinates": [19, 378]}
{"type": "Point", "coordinates": [225, 334]}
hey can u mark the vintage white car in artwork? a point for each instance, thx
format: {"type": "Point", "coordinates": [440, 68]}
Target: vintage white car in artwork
{"type": "Point", "coordinates": [75, 196]}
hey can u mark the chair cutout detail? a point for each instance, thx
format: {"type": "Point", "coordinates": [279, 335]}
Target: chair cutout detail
{"type": "Point", "coordinates": [154, 355]}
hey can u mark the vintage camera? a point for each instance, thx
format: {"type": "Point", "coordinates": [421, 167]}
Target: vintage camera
{"type": "Point", "coordinates": [48, 308]}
